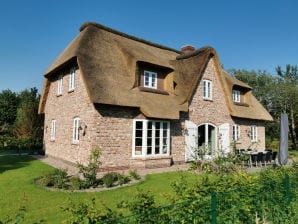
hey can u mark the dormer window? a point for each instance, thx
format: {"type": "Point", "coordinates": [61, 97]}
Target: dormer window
{"type": "Point", "coordinates": [150, 79]}
{"type": "Point", "coordinates": [236, 96]}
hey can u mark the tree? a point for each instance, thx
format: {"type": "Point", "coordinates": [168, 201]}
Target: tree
{"type": "Point", "coordinates": [8, 110]}
{"type": "Point", "coordinates": [287, 99]}
{"type": "Point", "coordinates": [28, 123]}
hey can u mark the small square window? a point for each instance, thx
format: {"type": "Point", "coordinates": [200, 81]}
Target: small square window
{"type": "Point", "coordinates": [150, 79]}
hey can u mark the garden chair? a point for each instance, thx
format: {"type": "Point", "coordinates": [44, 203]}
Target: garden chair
{"type": "Point", "coordinates": [268, 158]}
{"type": "Point", "coordinates": [261, 158]}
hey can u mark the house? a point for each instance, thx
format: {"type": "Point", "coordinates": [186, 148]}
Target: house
{"type": "Point", "coordinates": [143, 104]}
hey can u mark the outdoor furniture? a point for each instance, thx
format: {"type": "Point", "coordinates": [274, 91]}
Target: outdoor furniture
{"type": "Point", "coordinates": [261, 158]}
{"type": "Point", "coordinates": [268, 158]}
{"type": "Point", "coordinates": [253, 160]}
{"type": "Point", "coordinates": [274, 154]}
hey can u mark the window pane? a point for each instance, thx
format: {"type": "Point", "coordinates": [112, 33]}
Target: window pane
{"type": "Point", "coordinates": [164, 142]}
{"type": "Point", "coordinates": [149, 141]}
{"type": "Point", "coordinates": [139, 133]}
{"type": "Point", "coordinates": [156, 133]}
{"type": "Point", "coordinates": [157, 125]}
{"type": "Point", "coordinates": [165, 132]}
{"type": "Point", "coordinates": [138, 150]}
{"type": "Point", "coordinates": [165, 125]}
{"type": "Point", "coordinates": [149, 133]}
{"type": "Point", "coordinates": [164, 149]}
{"type": "Point", "coordinates": [156, 149]}
{"type": "Point", "coordinates": [149, 150]}
{"type": "Point", "coordinates": [149, 125]}
{"type": "Point", "coordinates": [139, 125]}
{"type": "Point", "coordinates": [139, 141]}
{"type": "Point", "coordinates": [156, 141]}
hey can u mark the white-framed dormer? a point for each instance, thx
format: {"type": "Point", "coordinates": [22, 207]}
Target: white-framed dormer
{"type": "Point", "coordinates": [151, 138]}
{"type": "Point", "coordinates": [207, 89]}
{"type": "Point", "coordinates": [150, 79]}
{"type": "Point", "coordinates": [60, 85]}
{"type": "Point", "coordinates": [236, 96]}
{"type": "Point", "coordinates": [72, 79]}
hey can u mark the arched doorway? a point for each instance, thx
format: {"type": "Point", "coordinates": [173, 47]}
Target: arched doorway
{"type": "Point", "coordinates": [207, 138]}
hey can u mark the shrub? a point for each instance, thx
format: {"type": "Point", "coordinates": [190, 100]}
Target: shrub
{"type": "Point", "coordinates": [58, 178]}
{"type": "Point", "coordinates": [89, 172]}
{"type": "Point", "coordinates": [75, 183]}
{"type": "Point", "coordinates": [109, 179]}
{"type": "Point", "coordinates": [134, 174]}
{"type": "Point", "coordinates": [122, 179]}
{"type": "Point", "coordinates": [85, 212]}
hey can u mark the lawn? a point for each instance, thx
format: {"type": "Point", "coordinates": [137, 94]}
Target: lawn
{"type": "Point", "coordinates": [17, 175]}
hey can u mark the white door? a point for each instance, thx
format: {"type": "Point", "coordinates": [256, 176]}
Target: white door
{"type": "Point", "coordinates": [191, 140]}
{"type": "Point", "coordinates": [224, 137]}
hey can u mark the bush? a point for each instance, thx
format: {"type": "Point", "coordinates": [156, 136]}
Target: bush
{"type": "Point", "coordinates": [122, 179]}
{"type": "Point", "coordinates": [75, 183]}
{"type": "Point", "coordinates": [109, 179]}
{"type": "Point", "coordinates": [58, 178]}
{"type": "Point", "coordinates": [89, 172]}
{"type": "Point", "coordinates": [134, 174]}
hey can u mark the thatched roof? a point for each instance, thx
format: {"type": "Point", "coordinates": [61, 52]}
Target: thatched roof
{"type": "Point", "coordinates": [108, 62]}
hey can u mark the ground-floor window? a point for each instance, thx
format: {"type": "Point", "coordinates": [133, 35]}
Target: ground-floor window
{"type": "Point", "coordinates": [151, 138]}
{"type": "Point", "coordinates": [76, 130]}
{"type": "Point", "coordinates": [53, 130]}
{"type": "Point", "coordinates": [236, 133]}
{"type": "Point", "coordinates": [253, 133]}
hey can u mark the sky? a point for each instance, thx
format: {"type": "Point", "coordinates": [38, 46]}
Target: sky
{"type": "Point", "coordinates": [247, 34]}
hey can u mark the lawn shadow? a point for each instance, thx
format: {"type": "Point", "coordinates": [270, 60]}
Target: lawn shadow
{"type": "Point", "coordinates": [12, 162]}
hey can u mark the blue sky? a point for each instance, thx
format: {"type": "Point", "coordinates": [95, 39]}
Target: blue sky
{"type": "Point", "coordinates": [251, 34]}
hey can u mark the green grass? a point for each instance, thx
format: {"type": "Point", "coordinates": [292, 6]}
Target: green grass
{"type": "Point", "coordinates": [17, 175]}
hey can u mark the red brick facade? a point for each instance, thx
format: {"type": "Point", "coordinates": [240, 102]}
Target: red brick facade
{"type": "Point", "coordinates": [110, 128]}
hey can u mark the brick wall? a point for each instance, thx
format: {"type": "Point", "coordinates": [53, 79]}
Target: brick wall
{"type": "Point", "coordinates": [110, 128]}
{"type": "Point", "coordinates": [64, 109]}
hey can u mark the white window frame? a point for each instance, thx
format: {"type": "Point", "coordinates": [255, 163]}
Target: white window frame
{"type": "Point", "coordinates": [253, 133]}
{"type": "Point", "coordinates": [76, 130]}
{"type": "Point", "coordinates": [144, 138]}
{"type": "Point", "coordinates": [207, 89]}
{"type": "Point", "coordinates": [236, 96]}
{"type": "Point", "coordinates": [60, 85]}
{"type": "Point", "coordinates": [72, 79]}
{"type": "Point", "coordinates": [152, 79]}
{"type": "Point", "coordinates": [236, 133]}
{"type": "Point", "coordinates": [53, 130]}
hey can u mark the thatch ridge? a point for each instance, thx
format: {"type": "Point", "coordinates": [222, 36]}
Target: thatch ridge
{"type": "Point", "coordinates": [100, 26]}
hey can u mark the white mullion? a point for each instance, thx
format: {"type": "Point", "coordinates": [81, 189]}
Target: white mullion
{"type": "Point", "coordinates": [144, 138]}
{"type": "Point", "coordinates": [161, 138]}
{"type": "Point", "coordinates": [153, 137]}
{"type": "Point", "coordinates": [168, 138]}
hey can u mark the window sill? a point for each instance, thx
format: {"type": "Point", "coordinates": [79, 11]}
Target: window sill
{"type": "Point", "coordinates": [59, 95]}
{"type": "Point", "coordinates": [207, 99]}
{"type": "Point", "coordinates": [71, 90]}
{"type": "Point", "coordinates": [151, 90]}
{"type": "Point", "coordinates": [52, 140]}
{"type": "Point", "coordinates": [75, 143]}
{"type": "Point", "coordinates": [241, 104]}
{"type": "Point", "coordinates": [151, 157]}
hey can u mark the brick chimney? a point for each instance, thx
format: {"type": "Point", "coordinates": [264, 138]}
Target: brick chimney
{"type": "Point", "coordinates": [186, 49]}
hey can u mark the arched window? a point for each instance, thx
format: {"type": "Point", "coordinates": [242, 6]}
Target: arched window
{"type": "Point", "coordinates": [207, 138]}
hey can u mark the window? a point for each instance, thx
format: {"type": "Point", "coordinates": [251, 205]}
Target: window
{"type": "Point", "coordinates": [60, 85]}
{"type": "Point", "coordinates": [72, 79]}
{"type": "Point", "coordinates": [236, 132]}
{"type": "Point", "coordinates": [236, 96]}
{"type": "Point", "coordinates": [151, 138]}
{"type": "Point", "coordinates": [150, 79]}
{"type": "Point", "coordinates": [253, 133]}
{"type": "Point", "coordinates": [76, 130]}
{"type": "Point", "coordinates": [207, 89]}
{"type": "Point", "coordinates": [53, 130]}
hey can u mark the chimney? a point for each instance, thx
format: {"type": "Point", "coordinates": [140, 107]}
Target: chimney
{"type": "Point", "coordinates": [186, 49]}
